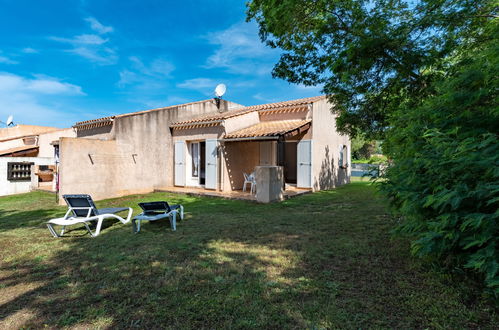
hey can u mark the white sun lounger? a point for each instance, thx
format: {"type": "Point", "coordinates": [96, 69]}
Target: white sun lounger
{"type": "Point", "coordinates": [154, 211]}
{"type": "Point", "coordinates": [82, 210]}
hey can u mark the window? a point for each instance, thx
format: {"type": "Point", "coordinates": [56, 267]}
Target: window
{"type": "Point", "coordinates": [19, 171]}
{"type": "Point", "coordinates": [195, 159]}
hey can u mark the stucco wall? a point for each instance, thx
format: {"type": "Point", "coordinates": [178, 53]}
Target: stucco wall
{"type": "Point", "coordinates": [145, 135]}
{"type": "Point", "coordinates": [100, 133]}
{"type": "Point", "coordinates": [298, 115]}
{"type": "Point", "coordinates": [239, 122]}
{"type": "Point", "coordinates": [22, 130]}
{"type": "Point", "coordinates": [12, 143]}
{"type": "Point", "coordinates": [238, 157]}
{"type": "Point", "coordinates": [326, 173]}
{"type": "Point", "coordinates": [17, 187]}
{"type": "Point", "coordinates": [44, 140]}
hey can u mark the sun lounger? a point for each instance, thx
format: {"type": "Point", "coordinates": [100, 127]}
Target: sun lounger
{"type": "Point", "coordinates": [154, 211]}
{"type": "Point", "coordinates": [81, 209]}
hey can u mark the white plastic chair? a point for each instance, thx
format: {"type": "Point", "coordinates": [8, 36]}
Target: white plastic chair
{"type": "Point", "coordinates": [249, 179]}
{"type": "Point", "coordinates": [82, 210]}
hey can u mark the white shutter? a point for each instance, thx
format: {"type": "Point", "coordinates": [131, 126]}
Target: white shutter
{"type": "Point", "coordinates": [180, 163]}
{"type": "Point", "coordinates": [304, 164]}
{"type": "Point", "coordinates": [211, 164]}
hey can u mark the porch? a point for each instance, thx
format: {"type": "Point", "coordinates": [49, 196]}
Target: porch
{"type": "Point", "coordinates": [289, 192]}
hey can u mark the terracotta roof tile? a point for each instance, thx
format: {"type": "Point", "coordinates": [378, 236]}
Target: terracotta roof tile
{"type": "Point", "coordinates": [291, 103]}
{"type": "Point", "coordinates": [213, 117]}
{"type": "Point", "coordinates": [268, 128]}
{"type": "Point", "coordinates": [87, 124]}
{"type": "Point", "coordinates": [299, 104]}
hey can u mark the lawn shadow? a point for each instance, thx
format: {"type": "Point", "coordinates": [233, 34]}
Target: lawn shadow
{"type": "Point", "coordinates": [306, 262]}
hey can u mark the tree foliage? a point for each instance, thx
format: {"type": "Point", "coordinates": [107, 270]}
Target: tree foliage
{"type": "Point", "coordinates": [362, 148]}
{"type": "Point", "coordinates": [370, 56]}
{"type": "Point", "coordinates": [445, 176]}
{"type": "Point", "coordinates": [425, 75]}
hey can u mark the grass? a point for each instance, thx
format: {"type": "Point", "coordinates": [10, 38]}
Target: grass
{"type": "Point", "coordinates": [323, 260]}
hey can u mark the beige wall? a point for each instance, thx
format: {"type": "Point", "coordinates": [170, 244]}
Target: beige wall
{"type": "Point", "coordinates": [145, 135]}
{"type": "Point", "coordinates": [238, 157]}
{"type": "Point", "coordinates": [12, 143]}
{"type": "Point", "coordinates": [44, 140]}
{"type": "Point", "coordinates": [22, 130]}
{"type": "Point", "coordinates": [299, 115]}
{"type": "Point", "coordinates": [100, 133]}
{"type": "Point", "coordinates": [198, 133]}
{"type": "Point", "coordinates": [99, 174]}
{"type": "Point", "coordinates": [326, 142]}
{"type": "Point", "coordinates": [239, 122]}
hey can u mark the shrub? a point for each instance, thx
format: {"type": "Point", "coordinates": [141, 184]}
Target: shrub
{"type": "Point", "coordinates": [444, 179]}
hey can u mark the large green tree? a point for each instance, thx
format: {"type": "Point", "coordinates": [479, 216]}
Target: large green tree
{"type": "Point", "coordinates": [370, 56]}
{"type": "Point", "coordinates": [425, 76]}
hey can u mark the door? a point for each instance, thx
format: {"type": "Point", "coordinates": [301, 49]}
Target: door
{"type": "Point", "coordinates": [304, 158]}
{"type": "Point", "coordinates": [180, 163]}
{"type": "Point", "coordinates": [211, 164]}
{"type": "Point", "coordinates": [202, 163]}
{"type": "Point", "coordinates": [290, 158]}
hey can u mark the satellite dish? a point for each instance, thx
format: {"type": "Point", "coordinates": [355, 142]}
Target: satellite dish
{"type": "Point", "coordinates": [220, 90]}
{"type": "Point", "coordinates": [9, 120]}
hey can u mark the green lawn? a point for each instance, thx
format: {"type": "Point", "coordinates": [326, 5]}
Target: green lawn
{"type": "Point", "coordinates": [322, 260]}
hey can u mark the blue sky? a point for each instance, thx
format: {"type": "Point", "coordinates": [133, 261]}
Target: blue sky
{"type": "Point", "coordinates": [63, 61]}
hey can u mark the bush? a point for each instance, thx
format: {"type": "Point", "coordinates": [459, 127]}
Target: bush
{"type": "Point", "coordinates": [444, 179]}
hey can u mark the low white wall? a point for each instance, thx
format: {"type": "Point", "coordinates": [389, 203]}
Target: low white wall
{"type": "Point", "coordinates": [18, 187]}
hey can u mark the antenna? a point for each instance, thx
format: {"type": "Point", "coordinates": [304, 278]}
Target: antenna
{"type": "Point", "coordinates": [219, 92]}
{"type": "Point", "coordinates": [9, 122]}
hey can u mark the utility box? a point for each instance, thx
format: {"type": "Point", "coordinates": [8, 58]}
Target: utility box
{"type": "Point", "coordinates": [269, 184]}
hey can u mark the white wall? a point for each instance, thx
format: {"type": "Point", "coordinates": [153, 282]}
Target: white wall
{"type": "Point", "coordinates": [18, 187]}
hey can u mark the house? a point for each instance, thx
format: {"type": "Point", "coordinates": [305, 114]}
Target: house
{"type": "Point", "coordinates": [28, 158]}
{"type": "Point", "coordinates": [213, 152]}
{"type": "Point", "coordinates": [204, 145]}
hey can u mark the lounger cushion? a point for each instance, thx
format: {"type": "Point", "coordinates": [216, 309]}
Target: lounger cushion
{"type": "Point", "coordinates": [160, 206]}
{"type": "Point", "coordinates": [112, 210]}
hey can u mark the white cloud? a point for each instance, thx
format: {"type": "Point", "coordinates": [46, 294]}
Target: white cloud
{"type": "Point", "coordinates": [91, 46]}
{"type": "Point", "coordinates": [40, 84]}
{"type": "Point", "coordinates": [199, 84]}
{"type": "Point", "coordinates": [97, 26]}
{"type": "Point", "coordinates": [152, 75]}
{"type": "Point", "coordinates": [6, 60]}
{"type": "Point", "coordinates": [207, 86]}
{"type": "Point", "coordinates": [240, 51]}
{"type": "Point", "coordinates": [29, 50]}
{"type": "Point", "coordinates": [37, 100]}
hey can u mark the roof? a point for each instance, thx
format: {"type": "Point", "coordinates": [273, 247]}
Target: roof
{"type": "Point", "coordinates": [105, 121]}
{"type": "Point", "coordinates": [19, 131]}
{"type": "Point", "coordinates": [17, 150]}
{"type": "Point", "coordinates": [212, 118]}
{"type": "Point", "coordinates": [271, 129]}
{"type": "Point", "coordinates": [94, 123]}
{"type": "Point", "coordinates": [293, 105]}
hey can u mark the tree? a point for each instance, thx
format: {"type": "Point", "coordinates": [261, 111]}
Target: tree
{"type": "Point", "coordinates": [370, 56]}
{"type": "Point", "coordinates": [423, 74]}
